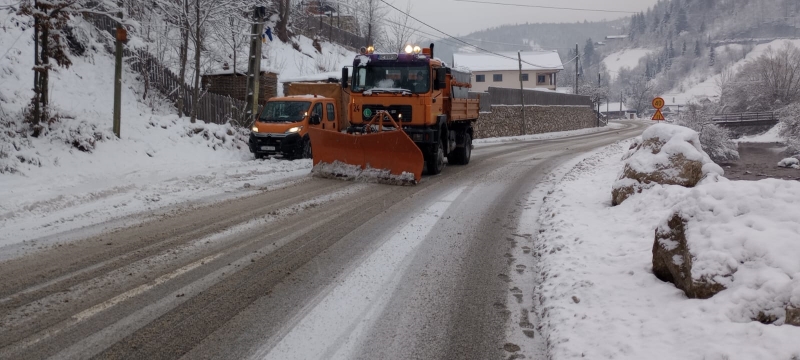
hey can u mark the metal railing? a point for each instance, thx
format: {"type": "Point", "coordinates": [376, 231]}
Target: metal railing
{"type": "Point", "coordinates": [745, 117]}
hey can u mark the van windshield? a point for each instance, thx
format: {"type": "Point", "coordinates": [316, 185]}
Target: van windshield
{"type": "Point", "coordinates": [285, 111]}
{"type": "Point", "coordinates": [390, 78]}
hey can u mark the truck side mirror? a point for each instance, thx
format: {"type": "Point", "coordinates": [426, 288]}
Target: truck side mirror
{"type": "Point", "coordinates": [345, 77]}
{"type": "Point", "coordinates": [314, 119]}
{"type": "Point", "coordinates": [441, 79]}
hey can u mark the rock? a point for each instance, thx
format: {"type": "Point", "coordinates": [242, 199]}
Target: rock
{"type": "Point", "coordinates": [510, 347]}
{"type": "Point", "coordinates": [791, 163]}
{"type": "Point", "coordinates": [672, 262]}
{"type": "Point", "coordinates": [666, 155]}
{"type": "Point", "coordinates": [793, 316]}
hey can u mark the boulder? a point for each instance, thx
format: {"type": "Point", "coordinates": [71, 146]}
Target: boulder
{"type": "Point", "coordinates": [672, 261]}
{"type": "Point", "coordinates": [792, 316]}
{"type": "Point", "coordinates": [666, 155]}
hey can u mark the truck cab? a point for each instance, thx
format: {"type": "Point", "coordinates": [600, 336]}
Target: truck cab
{"type": "Point", "coordinates": [282, 127]}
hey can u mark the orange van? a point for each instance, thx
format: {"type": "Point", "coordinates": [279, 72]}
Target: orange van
{"type": "Point", "coordinates": [282, 128]}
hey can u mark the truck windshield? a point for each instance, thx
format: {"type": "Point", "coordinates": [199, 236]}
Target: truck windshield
{"type": "Point", "coordinates": [394, 78]}
{"type": "Point", "coordinates": [285, 111]}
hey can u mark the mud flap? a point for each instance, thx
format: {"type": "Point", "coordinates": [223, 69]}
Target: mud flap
{"type": "Point", "coordinates": [384, 154]}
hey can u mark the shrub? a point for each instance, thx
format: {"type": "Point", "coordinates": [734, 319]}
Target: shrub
{"type": "Point", "coordinates": [716, 141]}
{"type": "Point", "coordinates": [790, 126]}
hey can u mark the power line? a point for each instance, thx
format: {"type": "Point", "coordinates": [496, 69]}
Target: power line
{"type": "Point", "coordinates": [549, 7]}
{"type": "Point", "coordinates": [464, 42]}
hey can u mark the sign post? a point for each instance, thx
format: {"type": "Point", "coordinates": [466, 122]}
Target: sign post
{"type": "Point", "coordinates": [658, 103]}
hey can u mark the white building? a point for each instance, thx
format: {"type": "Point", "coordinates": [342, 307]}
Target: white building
{"type": "Point", "coordinates": [539, 69]}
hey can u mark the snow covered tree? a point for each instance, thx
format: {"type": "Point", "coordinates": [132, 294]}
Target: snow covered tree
{"type": "Point", "coordinates": [681, 22]}
{"type": "Point", "coordinates": [715, 140]}
{"type": "Point", "coordinates": [697, 49]}
{"type": "Point", "coordinates": [790, 126]}
{"type": "Point", "coordinates": [588, 52]}
{"type": "Point", "coordinates": [712, 56]}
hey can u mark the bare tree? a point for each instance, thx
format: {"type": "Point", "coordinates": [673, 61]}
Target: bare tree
{"type": "Point", "coordinates": [399, 31]}
{"type": "Point", "coordinates": [373, 13]}
{"type": "Point", "coordinates": [640, 91]}
{"type": "Point", "coordinates": [284, 8]}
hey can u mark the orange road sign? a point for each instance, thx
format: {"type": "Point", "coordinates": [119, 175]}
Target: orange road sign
{"type": "Point", "coordinates": [658, 116]}
{"type": "Point", "coordinates": [658, 103]}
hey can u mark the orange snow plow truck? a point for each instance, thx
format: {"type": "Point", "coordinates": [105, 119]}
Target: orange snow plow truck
{"type": "Point", "coordinates": [407, 112]}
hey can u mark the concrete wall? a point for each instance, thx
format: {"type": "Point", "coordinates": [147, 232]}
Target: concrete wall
{"type": "Point", "coordinates": [510, 80]}
{"type": "Point", "coordinates": [505, 120]}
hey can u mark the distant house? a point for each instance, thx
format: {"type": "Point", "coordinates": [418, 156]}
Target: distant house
{"type": "Point", "coordinates": [539, 70]}
{"type": "Point", "coordinates": [616, 110]}
{"type": "Point", "coordinates": [616, 37]}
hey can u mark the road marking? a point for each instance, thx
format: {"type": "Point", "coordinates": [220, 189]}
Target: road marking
{"type": "Point", "coordinates": [94, 310]}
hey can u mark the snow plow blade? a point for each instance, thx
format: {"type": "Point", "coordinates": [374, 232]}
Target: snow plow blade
{"type": "Point", "coordinates": [384, 156]}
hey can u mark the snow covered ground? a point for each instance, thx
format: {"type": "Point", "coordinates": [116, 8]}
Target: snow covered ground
{"type": "Point", "coordinates": [628, 58]}
{"type": "Point", "coordinates": [598, 297]}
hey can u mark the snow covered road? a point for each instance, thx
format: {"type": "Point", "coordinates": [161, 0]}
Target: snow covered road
{"type": "Point", "coordinates": [317, 269]}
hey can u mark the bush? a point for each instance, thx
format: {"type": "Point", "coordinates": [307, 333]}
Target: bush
{"type": "Point", "coordinates": [716, 141]}
{"type": "Point", "coordinates": [790, 126]}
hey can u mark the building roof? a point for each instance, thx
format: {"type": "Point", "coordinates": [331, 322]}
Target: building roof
{"type": "Point", "coordinates": [613, 107]}
{"type": "Point", "coordinates": [532, 60]}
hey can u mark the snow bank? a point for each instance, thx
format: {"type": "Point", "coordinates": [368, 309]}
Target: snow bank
{"type": "Point", "coordinates": [598, 298]}
{"type": "Point", "coordinates": [745, 236]}
{"type": "Point", "coordinates": [790, 163]}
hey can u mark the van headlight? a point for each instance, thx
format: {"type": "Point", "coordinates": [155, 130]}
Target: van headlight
{"type": "Point", "coordinates": [294, 130]}
{"type": "Point", "coordinates": [255, 129]}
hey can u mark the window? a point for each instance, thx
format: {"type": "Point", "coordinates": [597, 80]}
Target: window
{"type": "Point", "coordinates": [524, 77]}
{"type": "Point", "coordinates": [317, 110]}
{"type": "Point", "coordinates": [541, 79]}
{"type": "Point", "coordinates": [397, 77]}
{"type": "Point", "coordinates": [480, 78]}
{"type": "Point", "coordinates": [497, 77]}
{"type": "Point", "coordinates": [331, 113]}
{"type": "Point", "coordinates": [285, 111]}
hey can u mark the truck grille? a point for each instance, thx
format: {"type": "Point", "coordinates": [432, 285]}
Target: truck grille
{"type": "Point", "coordinates": [394, 110]}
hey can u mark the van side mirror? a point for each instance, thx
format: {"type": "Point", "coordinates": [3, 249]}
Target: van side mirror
{"type": "Point", "coordinates": [345, 78]}
{"type": "Point", "coordinates": [314, 119]}
{"type": "Point", "coordinates": [441, 79]}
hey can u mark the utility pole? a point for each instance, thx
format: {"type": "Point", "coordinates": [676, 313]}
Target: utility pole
{"type": "Point", "coordinates": [577, 63]}
{"type": "Point", "coordinates": [598, 99]}
{"type": "Point", "coordinates": [121, 36]}
{"type": "Point", "coordinates": [36, 103]}
{"type": "Point", "coordinates": [521, 92]}
{"type": "Point", "coordinates": [254, 65]}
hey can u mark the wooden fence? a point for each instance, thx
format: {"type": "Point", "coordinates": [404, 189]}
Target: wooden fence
{"type": "Point", "coordinates": [211, 108]}
{"type": "Point", "coordinates": [311, 26]}
{"type": "Point", "coordinates": [502, 96]}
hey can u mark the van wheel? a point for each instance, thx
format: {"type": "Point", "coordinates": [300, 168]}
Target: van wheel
{"type": "Point", "coordinates": [307, 149]}
{"type": "Point", "coordinates": [435, 161]}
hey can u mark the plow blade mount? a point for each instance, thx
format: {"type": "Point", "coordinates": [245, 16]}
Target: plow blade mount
{"type": "Point", "coordinates": [386, 155]}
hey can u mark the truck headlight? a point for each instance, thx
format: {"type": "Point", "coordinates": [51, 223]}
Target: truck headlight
{"type": "Point", "coordinates": [255, 129]}
{"type": "Point", "coordinates": [294, 130]}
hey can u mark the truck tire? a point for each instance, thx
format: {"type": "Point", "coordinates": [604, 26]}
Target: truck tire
{"type": "Point", "coordinates": [461, 156]}
{"type": "Point", "coordinates": [435, 160]}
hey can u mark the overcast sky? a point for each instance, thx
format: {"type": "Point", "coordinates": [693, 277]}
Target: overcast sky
{"type": "Point", "coordinates": [461, 18]}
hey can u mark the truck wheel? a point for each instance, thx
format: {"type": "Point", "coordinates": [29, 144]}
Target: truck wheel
{"type": "Point", "coordinates": [307, 150]}
{"type": "Point", "coordinates": [461, 156]}
{"type": "Point", "coordinates": [435, 161]}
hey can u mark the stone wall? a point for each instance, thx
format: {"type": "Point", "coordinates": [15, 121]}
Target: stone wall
{"type": "Point", "coordinates": [505, 120]}
{"type": "Point", "coordinates": [235, 86]}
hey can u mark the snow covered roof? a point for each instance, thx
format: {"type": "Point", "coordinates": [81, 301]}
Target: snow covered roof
{"type": "Point", "coordinates": [337, 75]}
{"type": "Point", "coordinates": [532, 60]}
{"type": "Point", "coordinates": [613, 107]}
